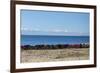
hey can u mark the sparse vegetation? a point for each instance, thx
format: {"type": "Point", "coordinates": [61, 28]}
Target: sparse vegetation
{"type": "Point", "coordinates": [41, 55]}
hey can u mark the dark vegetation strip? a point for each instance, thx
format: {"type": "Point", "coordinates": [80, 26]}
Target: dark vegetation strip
{"type": "Point", "coordinates": [58, 46]}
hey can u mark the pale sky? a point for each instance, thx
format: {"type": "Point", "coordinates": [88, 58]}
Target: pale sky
{"type": "Point", "coordinates": [54, 23]}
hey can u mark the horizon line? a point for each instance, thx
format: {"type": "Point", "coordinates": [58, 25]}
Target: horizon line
{"type": "Point", "coordinates": [54, 35]}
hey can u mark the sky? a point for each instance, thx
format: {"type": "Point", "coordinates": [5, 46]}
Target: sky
{"type": "Point", "coordinates": [35, 22]}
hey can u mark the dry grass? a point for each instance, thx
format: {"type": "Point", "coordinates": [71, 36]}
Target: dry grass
{"type": "Point", "coordinates": [54, 55]}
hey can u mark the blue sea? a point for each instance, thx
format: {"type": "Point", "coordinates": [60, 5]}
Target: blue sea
{"type": "Point", "coordinates": [51, 40]}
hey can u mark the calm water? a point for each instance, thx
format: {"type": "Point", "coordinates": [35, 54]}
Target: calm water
{"type": "Point", "coordinates": [35, 39]}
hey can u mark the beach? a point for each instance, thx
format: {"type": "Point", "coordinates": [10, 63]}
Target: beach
{"type": "Point", "coordinates": [48, 36]}
{"type": "Point", "coordinates": [47, 55]}
{"type": "Point", "coordinates": [42, 48]}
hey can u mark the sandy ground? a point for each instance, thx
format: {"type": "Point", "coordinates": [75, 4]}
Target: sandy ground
{"type": "Point", "coordinates": [54, 55]}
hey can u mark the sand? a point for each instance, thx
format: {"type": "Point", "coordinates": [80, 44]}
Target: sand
{"type": "Point", "coordinates": [68, 54]}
